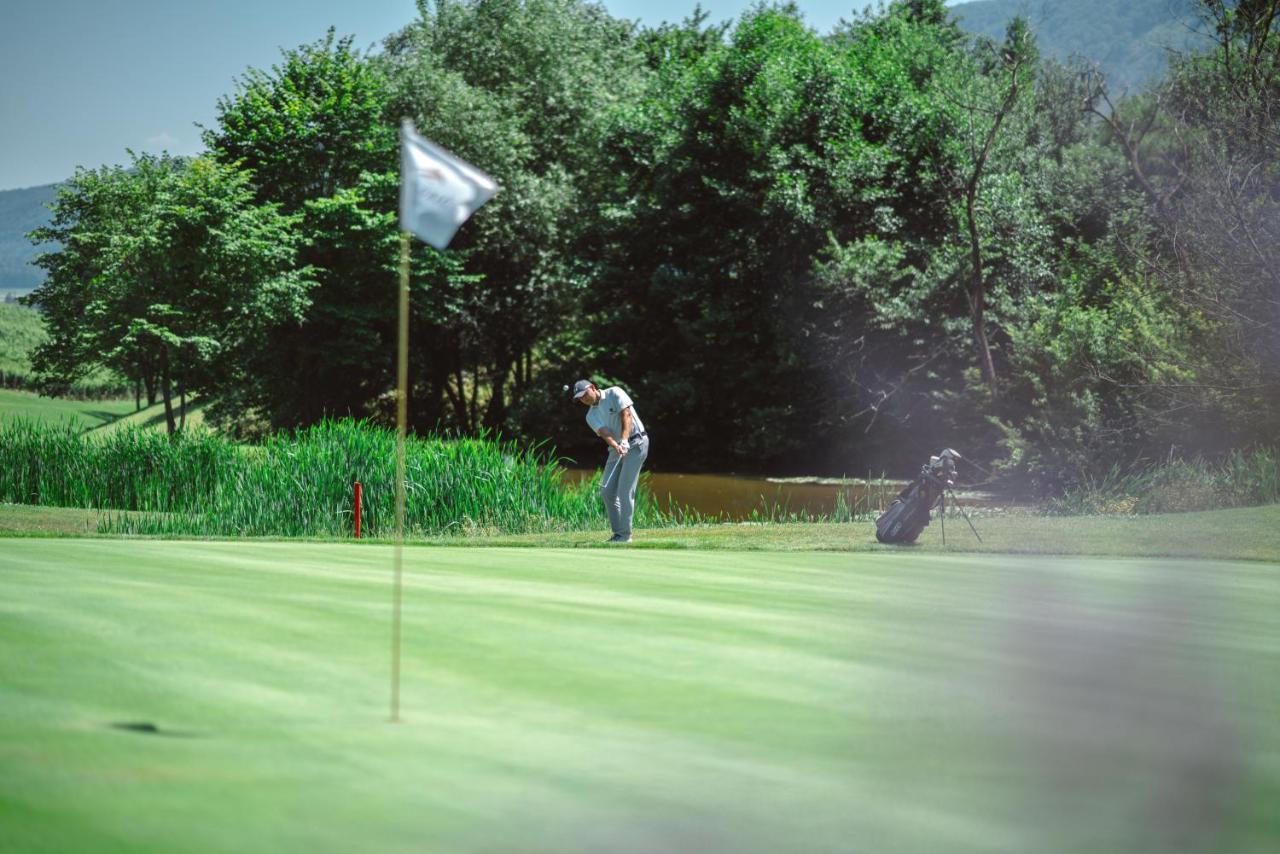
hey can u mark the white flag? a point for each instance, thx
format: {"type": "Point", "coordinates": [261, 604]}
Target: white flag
{"type": "Point", "coordinates": [438, 191]}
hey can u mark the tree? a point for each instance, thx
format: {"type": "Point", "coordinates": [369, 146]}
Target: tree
{"type": "Point", "coordinates": [994, 92]}
{"type": "Point", "coordinates": [1224, 111]}
{"type": "Point", "coordinates": [315, 133]}
{"type": "Point", "coordinates": [168, 269]}
{"type": "Point", "coordinates": [1201, 149]}
{"type": "Point", "coordinates": [520, 88]}
{"type": "Point", "coordinates": [308, 127]}
{"type": "Point", "coordinates": [741, 165]}
{"type": "Point", "coordinates": [515, 87]}
{"type": "Point", "coordinates": [88, 211]}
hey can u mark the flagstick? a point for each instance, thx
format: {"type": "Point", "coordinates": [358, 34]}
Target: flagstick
{"type": "Point", "coordinates": [434, 218]}
{"type": "Point", "coordinates": [402, 406]}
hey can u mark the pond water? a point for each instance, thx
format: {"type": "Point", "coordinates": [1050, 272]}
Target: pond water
{"type": "Point", "coordinates": [735, 497]}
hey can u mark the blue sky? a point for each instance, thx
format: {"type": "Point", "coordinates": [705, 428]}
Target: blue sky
{"type": "Point", "coordinates": [82, 81]}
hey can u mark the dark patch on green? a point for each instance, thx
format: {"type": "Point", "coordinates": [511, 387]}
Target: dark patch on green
{"type": "Point", "coordinates": [148, 728]}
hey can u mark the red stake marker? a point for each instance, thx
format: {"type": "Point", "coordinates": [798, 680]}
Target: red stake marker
{"type": "Point", "coordinates": [359, 492]}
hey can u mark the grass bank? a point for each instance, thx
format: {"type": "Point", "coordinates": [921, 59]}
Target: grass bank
{"type": "Point", "coordinates": [1249, 533]}
{"type": "Point", "coordinates": [164, 696]}
{"type": "Point", "coordinates": [1241, 479]}
{"type": "Point", "coordinates": [153, 418]}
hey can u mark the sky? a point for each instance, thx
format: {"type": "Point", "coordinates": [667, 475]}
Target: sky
{"type": "Point", "coordinates": [82, 81]}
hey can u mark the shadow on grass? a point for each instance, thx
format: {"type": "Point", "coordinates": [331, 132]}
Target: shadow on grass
{"type": "Point", "coordinates": [148, 728]}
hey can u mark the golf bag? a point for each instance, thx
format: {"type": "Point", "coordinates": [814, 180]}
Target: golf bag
{"type": "Point", "coordinates": [908, 514]}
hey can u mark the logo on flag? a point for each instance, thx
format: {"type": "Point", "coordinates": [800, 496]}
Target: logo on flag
{"type": "Point", "coordinates": [438, 191]}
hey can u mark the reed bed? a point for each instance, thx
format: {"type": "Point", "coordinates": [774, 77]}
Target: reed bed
{"type": "Point", "coordinates": [1241, 479]}
{"type": "Point", "coordinates": [298, 484]}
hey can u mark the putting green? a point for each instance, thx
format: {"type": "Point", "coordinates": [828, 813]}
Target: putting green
{"type": "Point", "coordinates": [561, 700]}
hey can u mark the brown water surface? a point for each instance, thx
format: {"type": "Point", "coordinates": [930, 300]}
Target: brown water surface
{"type": "Point", "coordinates": [735, 497]}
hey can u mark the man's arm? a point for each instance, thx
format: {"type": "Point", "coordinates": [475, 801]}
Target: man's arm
{"type": "Point", "coordinates": [603, 433]}
{"type": "Point", "coordinates": [626, 424]}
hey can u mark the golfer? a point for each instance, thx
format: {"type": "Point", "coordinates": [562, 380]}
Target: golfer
{"type": "Point", "coordinates": [612, 416]}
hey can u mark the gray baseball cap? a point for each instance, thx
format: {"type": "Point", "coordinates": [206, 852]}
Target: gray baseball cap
{"type": "Point", "coordinates": [580, 388]}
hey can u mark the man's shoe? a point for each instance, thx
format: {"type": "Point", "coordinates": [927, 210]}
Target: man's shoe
{"type": "Point", "coordinates": [621, 538]}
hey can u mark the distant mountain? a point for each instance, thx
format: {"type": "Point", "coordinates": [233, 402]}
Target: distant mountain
{"type": "Point", "coordinates": [22, 211]}
{"type": "Point", "coordinates": [1129, 40]}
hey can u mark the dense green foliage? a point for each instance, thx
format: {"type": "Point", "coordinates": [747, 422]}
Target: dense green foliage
{"type": "Point", "coordinates": [294, 484]}
{"type": "Point", "coordinates": [800, 251]}
{"type": "Point", "coordinates": [312, 134]}
{"type": "Point", "coordinates": [1128, 40]}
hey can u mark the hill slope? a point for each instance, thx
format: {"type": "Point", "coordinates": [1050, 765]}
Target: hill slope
{"type": "Point", "coordinates": [1130, 41]}
{"type": "Point", "coordinates": [20, 212]}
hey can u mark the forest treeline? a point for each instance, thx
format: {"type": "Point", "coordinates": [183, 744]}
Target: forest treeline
{"type": "Point", "coordinates": [799, 251]}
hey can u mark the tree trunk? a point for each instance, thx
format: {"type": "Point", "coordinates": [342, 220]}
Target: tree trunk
{"type": "Point", "coordinates": [429, 408]}
{"type": "Point", "coordinates": [167, 390]}
{"type": "Point", "coordinates": [497, 409]}
{"type": "Point", "coordinates": [182, 406]}
{"type": "Point", "coordinates": [474, 420]}
{"type": "Point", "coordinates": [137, 393]}
{"type": "Point", "coordinates": [458, 396]}
{"type": "Point", "coordinates": [978, 297]}
{"type": "Point", "coordinates": [524, 370]}
{"type": "Point", "coordinates": [149, 377]}
{"type": "Point", "coordinates": [977, 291]}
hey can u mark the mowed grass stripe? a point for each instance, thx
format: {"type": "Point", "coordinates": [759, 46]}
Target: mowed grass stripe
{"type": "Point", "coordinates": [82, 414]}
{"type": "Point", "coordinates": [560, 700]}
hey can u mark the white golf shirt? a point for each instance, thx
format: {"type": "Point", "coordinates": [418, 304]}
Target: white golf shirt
{"type": "Point", "coordinates": [607, 413]}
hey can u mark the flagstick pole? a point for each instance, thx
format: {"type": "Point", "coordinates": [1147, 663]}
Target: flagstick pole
{"type": "Point", "coordinates": [402, 406]}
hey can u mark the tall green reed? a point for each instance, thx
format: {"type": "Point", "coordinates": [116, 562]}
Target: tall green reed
{"type": "Point", "coordinates": [297, 484]}
{"type": "Point", "coordinates": [1241, 479]}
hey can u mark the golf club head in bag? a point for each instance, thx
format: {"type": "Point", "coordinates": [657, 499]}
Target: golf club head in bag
{"type": "Point", "coordinates": [908, 513]}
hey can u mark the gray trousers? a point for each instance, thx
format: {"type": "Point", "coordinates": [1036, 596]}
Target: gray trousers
{"type": "Point", "coordinates": [618, 485]}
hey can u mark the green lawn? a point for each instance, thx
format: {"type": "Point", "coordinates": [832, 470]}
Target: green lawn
{"type": "Point", "coordinates": [86, 413]}
{"type": "Point", "coordinates": [99, 415]}
{"type": "Point", "coordinates": [633, 700]}
{"type": "Point", "coordinates": [1245, 533]}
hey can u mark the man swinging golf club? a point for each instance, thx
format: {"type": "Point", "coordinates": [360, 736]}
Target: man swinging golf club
{"type": "Point", "coordinates": [612, 416]}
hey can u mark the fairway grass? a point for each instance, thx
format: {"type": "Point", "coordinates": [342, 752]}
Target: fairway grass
{"type": "Point", "coordinates": [86, 414]}
{"type": "Point", "coordinates": [633, 700]}
{"type": "Point", "coordinates": [1248, 533]}
{"type": "Point", "coordinates": [98, 416]}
